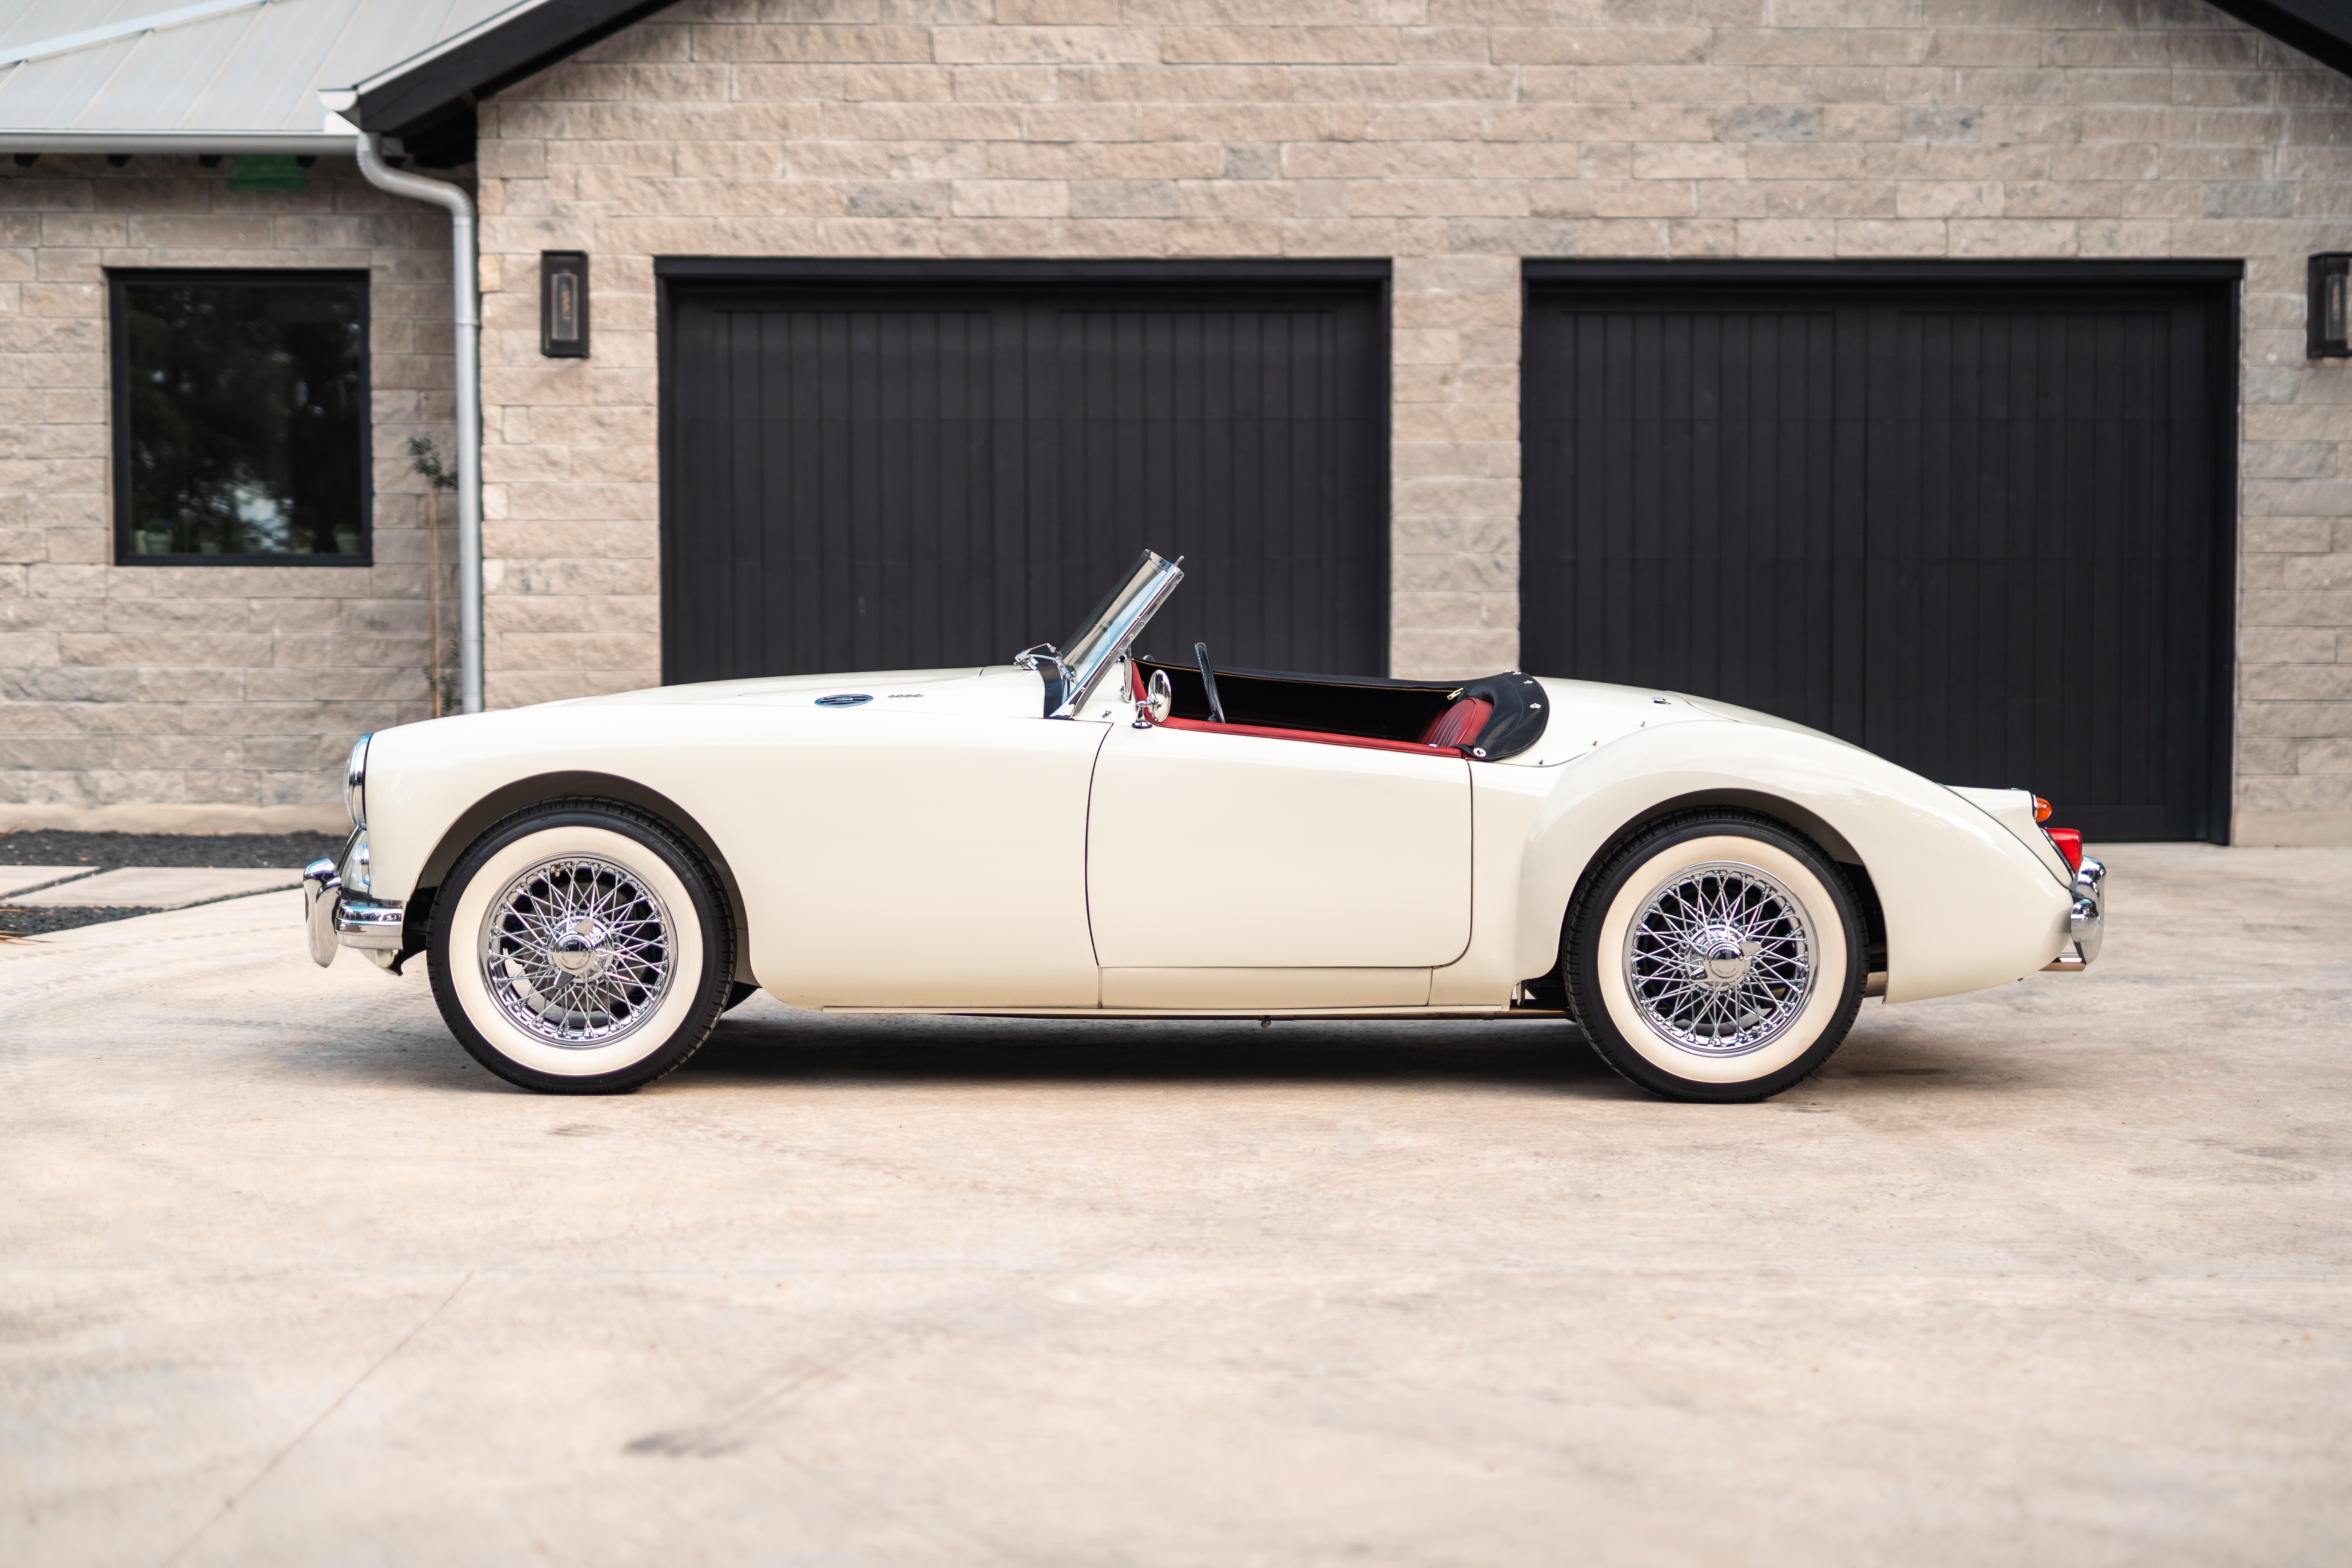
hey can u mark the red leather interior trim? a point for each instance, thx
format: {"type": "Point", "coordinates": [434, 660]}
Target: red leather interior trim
{"type": "Point", "coordinates": [1458, 725]}
{"type": "Point", "coordinates": [1365, 741]}
{"type": "Point", "coordinates": [2070, 844]}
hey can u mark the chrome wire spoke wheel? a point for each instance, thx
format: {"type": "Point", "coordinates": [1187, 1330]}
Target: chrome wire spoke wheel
{"type": "Point", "coordinates": [581, 946]}
{"type": "Point", "coordinates": [1719, 960]}
{"type": "Point", "coordinates": [576, 952]}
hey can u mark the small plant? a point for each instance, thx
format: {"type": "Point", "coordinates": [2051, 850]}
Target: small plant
{"type": "Point", "coordinates": [426, 459]}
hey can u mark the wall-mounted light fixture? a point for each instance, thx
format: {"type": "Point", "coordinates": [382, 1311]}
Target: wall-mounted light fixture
{"type": "Point", "coordinates": [2327, 322]}
{"type": "Point", "coordinates": [563, 304]}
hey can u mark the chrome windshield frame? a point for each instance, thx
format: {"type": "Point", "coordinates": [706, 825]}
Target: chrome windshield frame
{"type": "Point", "coordinates": [1107, 635]}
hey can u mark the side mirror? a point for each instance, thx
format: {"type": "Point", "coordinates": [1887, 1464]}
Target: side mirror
{"type": "Point", "coordinates": [1159, 697]}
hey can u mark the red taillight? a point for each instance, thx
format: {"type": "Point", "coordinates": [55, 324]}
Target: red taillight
{"type": "Point", "coordinates": [2070, 844]}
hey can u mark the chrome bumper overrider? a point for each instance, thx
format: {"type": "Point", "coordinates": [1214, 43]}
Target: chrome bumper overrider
{"type": "Point", "coordinates": [2086, 921]}
{"type": "Point", "coordinates": [337, 919]}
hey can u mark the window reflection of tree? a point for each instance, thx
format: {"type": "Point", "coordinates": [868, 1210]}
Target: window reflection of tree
{"type": "Point", "coordinates": [245, 403]}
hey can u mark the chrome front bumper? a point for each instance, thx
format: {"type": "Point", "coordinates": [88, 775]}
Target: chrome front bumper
{"type": "Point", "coordinates": [336, 919]}
{"type": "Point", "coordinates": [2086, 921]}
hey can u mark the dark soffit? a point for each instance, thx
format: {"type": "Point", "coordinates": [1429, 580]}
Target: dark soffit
{"type": "Point", "coordinates": [413, 96]}
{"type": "Point", "coordinates": [2320, 28]}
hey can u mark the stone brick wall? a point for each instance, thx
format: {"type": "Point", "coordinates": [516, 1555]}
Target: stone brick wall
{"type": "Point", "coordinates": [196, 697]}
{"type": "Point", "coordinates": [1451, 136]}
{"type": "Point", "coordinates": [1455, 136]}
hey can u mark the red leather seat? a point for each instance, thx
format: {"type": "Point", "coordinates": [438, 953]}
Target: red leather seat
{"type": "Point", "coordinates": [1458, 725]}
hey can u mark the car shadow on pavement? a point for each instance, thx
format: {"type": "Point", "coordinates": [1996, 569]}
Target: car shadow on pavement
{"type": "Point", "coordinates": [769, 1044]}
{"type": "Point", "coordinates": [811, 1047]}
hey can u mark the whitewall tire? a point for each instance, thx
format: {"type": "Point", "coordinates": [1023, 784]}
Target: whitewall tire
{"type": "Point", "coordinates": [1717, 956]}
{"type": "Point", "coordinates": [580, 947]}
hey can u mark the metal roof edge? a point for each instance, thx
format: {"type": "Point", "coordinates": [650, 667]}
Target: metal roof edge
{"type": "Point", "coordinates": [186, 143]}
{"type": "Point", "coordinates": [502, 49]}
{"type": "Point", "coordinates": [432, 54]}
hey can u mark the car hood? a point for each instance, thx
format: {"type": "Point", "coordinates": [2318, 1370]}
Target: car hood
{"type": "Point", "coordinates": [991, 689]}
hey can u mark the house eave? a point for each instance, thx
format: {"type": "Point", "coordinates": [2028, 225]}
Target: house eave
{"type": "Point", "coordinates": [186, 144]}
{"type": "Point", "coordinates": [2320, 28]}
{"type": "Point", "coordinates": [450, 77]}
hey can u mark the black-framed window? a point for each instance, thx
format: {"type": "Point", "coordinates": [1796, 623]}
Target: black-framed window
{"type": "Point", "coordinates": [241, 418]}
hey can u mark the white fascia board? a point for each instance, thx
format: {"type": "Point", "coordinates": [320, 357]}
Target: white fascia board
{"type": "Point", "coordinates": [185, 143]}
{"type": "Point", "coordinates": [455, 40]}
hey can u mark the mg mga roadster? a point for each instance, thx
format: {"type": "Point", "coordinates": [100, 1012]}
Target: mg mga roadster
{"type": "Point", "coordinates": [1708, 893]}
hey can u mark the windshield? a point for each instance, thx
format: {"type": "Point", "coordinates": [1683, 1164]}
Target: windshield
{"type": "Point", "coordinates": [1112, 630]}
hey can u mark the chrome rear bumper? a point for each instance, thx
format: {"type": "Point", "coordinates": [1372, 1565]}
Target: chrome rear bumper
{"type": "Point", "coordinates": [2086, 921]}
{"type": "Point", "coordinates": [336, 920]}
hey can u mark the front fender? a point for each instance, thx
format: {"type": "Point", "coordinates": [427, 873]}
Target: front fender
{"type": "Point", "coordinates": [1967, 905]}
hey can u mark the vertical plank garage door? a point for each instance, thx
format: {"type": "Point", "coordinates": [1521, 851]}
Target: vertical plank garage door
{"type": "Point", "coordinates": [1981, 525]}
{"type": "Point", "coordinates": [893, 471]}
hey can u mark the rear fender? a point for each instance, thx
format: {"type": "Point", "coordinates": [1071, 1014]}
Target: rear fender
{"type": "Point", "coordinates": [1966, 906]}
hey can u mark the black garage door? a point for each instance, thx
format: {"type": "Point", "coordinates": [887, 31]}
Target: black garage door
{"type": "Point", "coordinates": [921, 466]}
{"type": "Point", "coordinates": [1978, 524]}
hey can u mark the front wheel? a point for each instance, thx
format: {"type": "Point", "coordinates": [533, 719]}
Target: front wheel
{"type": "Point", "coordinates": [580, 947]}
{"type": "Point", "coordinates": [1717, 957]}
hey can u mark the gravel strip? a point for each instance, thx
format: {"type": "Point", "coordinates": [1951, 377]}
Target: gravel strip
{"type": "Point", "coordinates": [107, 851]}
{"type": "Point", "coordinates": [113, 851]}
{"type": "Point", "coordinates": [18, 922]}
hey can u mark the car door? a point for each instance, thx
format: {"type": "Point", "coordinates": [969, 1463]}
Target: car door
{"type": "Point", "coordinates": [928, 860]}
{"type": "Point", "coordinates": [1210, 855]}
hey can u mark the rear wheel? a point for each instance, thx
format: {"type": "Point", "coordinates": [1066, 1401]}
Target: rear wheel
{"type": "Point", "coordinates": [1717, 957]}
{"type": "Point", "coordinates": [580, 947]}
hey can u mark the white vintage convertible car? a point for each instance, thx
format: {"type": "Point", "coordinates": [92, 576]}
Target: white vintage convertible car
{"type": "Point", "coordinates": [1710, 893]}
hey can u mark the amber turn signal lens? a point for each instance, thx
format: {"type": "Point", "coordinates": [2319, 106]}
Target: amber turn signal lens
{"type": "Point", "coordinates": [2041, 809]}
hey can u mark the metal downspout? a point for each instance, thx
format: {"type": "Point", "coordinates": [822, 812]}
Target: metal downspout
{"type": "Point", "coordinates": [466, 265]}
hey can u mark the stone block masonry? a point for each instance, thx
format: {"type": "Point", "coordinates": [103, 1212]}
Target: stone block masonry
{"type": "Point", "coordinates": [1451, 137]}
{"type": "Point", "coordinates": [200, 699]}
{"type": "Point", "coordinates": [1455, 137]}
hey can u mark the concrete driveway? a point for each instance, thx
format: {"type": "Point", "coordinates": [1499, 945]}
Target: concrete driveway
{"type": "Point", "coordinates": [2061, 1273]}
